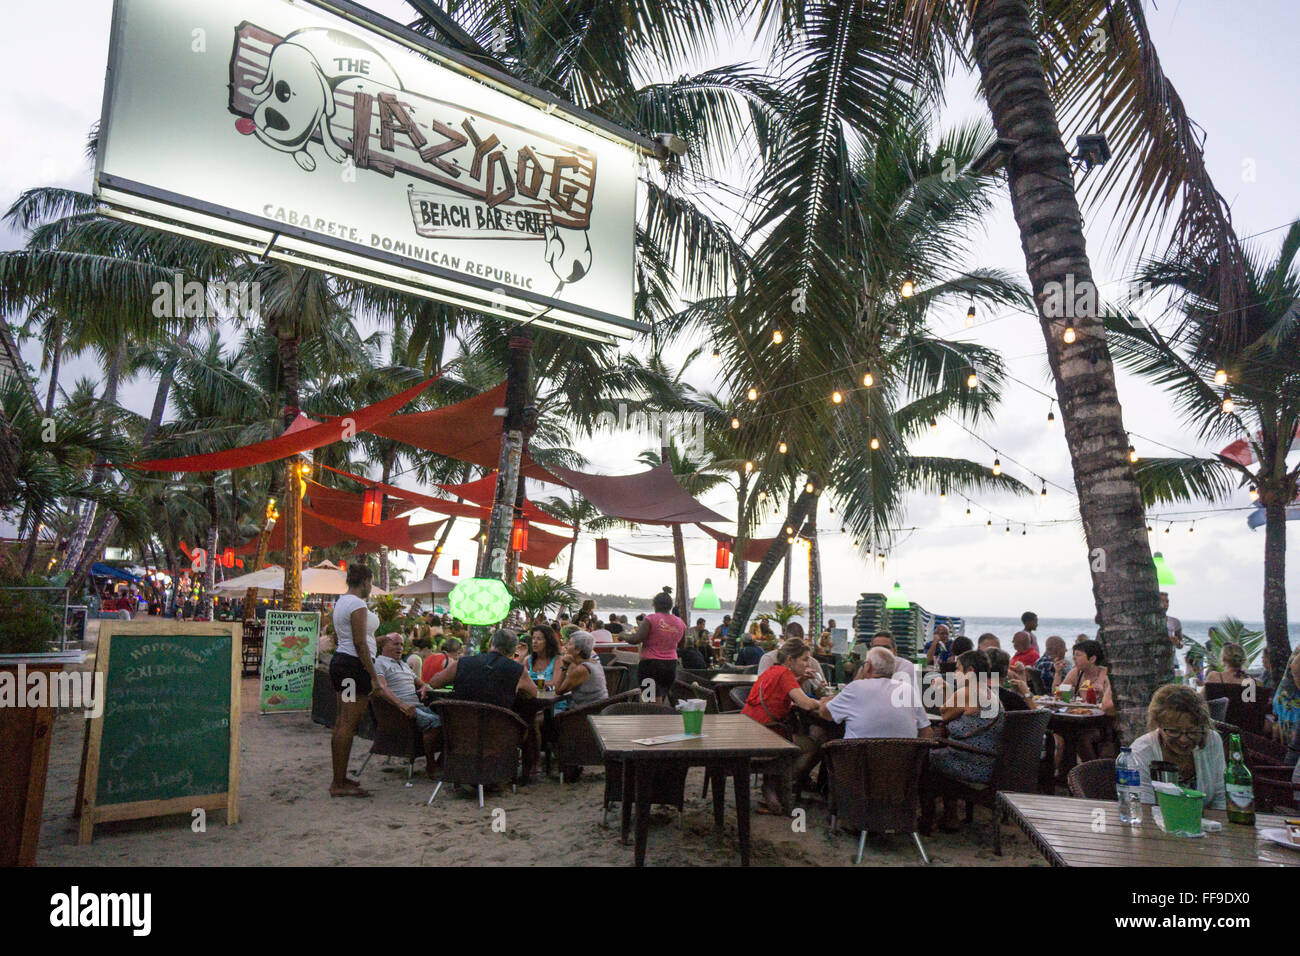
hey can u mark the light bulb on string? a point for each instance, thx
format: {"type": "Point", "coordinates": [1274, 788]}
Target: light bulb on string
{"type": "Point", "coordinates": [1132, 455]}
{"type": "Point", "coordinates": [749, 466]}
{"type": "Point", "coordinates": [1008, 529]}
{"type": "Point", "coordinates": [997, 466]}
{"type": "Point", "coordinates": [1192, 529]}
{"type": "Point", "coordinates": [1254, 493]}
{"type": "Point", "coordinates": [1228, 405]}
{"type": "Point", "coordinates": [1024, 531]}
{"type": "Point", "coordinates": [809, 487]}
{"type": "Point", "coordinates": [972, 380]}
{"type": "Point", "coordinates": [752, 394]}
{"type": "Point", "coordinates": [1068, 336]}
{"type": "Point", "coordinates": [782, 448]}
{"type": "Point", "coordinates": [967, 512]}
{"type": "Point", "coordinates": [1220, 377]}
{"type": "Point", "coordinates": [970, 315]}
{"type": "Point", "coordinates": [1169, 528]}
{"type": "Point", "coordinates": [836, 397]}
{"type": "Point", "coordinates": [717, 353]}
{"type": "Point", "coordinates": [907, 289]}
{"type": "Point", "coordinates": [777, 337]}
{"type": "Point", "coordinates": [875, 443]}
{"type": "Point", "coordinates": [868, 380]}
{"type": "Point", "coordinates": [789, 539]}
{"type": "Point", "coordinates": [1043, 493]}
{"type": "Point", "coordinates": [735, 423]}
{"type": "Point", "coordinates": [989, 523]}
{"type": "Point", "coordinates": [1051, 417]}
{"type": "Point", "coordinates": [934, 425]}
{"type": "Point", "coordinates": [789, 529]}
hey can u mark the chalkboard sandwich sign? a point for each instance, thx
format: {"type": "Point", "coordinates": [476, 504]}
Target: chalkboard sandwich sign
{"type": "Point", "coordinates": [167, 739]}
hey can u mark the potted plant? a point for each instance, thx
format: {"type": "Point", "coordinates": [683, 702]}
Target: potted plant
{"type": "Point", "coordinates": [29, 631]}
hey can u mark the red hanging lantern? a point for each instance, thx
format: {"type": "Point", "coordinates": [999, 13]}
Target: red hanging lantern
{"type": "Point", "coordinates": [343, 565]}
{"type": "Point", "coordinates": [519, 535]}
{"type": "Point", "coordinates": [372, 507]}
{"type": "Point", "coordinates": [519, 576]}
{"type": "Point", "coordinates": [602, 554]}
{"type": "Point", "coordinates": [723, 557]}
{"type": "Point", "coordinates": [455, 567]}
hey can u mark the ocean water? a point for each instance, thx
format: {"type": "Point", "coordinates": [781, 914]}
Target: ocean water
{"type": "Point", "coordinates": [1003, 627]}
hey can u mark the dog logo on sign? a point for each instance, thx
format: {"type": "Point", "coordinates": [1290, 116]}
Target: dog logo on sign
{"type": "Point", "coordinates": [296, 98]}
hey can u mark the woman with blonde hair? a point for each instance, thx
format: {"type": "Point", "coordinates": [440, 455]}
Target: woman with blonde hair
{"type": "Point", "coordinates": [1233, 659]}
{"type": "Point", "coordinates": [1179, 731]}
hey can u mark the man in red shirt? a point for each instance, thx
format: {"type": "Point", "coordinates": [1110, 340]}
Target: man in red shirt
{"type": "Point", "coordinates": [1025, 653]}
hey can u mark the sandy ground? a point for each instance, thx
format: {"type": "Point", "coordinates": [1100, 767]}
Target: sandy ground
{"type": "Point", "coordinates": [288, 817]}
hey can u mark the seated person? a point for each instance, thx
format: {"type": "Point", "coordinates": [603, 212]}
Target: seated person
{"type": "Point", "coordinates": [902, 666]}
{"type": "Point", "coordinates": [545, 652]}
{"type": "Point", "coordinates": [491, 678]}
{"type": "Point", "coordinates": [1024, 650]}
{"type": "Point", "coordinates": [972, 715]}
{"type": "Point", "coordinates": [522, 650]}
{"type": "Point", "coordinates": [397, 685]}
{"type": "Point", "coordinates": [873, 705]}
{"type": "Point", "coordinates": [1013, 691]}
{"type": "Point", "coordinates": [988, 642]}
{"type": "Point", "coordinates": [959, 646]}
{"type": "Point", "coordinates": [939, 650]}
{"type": "Point", "coordinates": [1181, 732]}
{"type": "Point", "coordinates": [451, 650]}
{"type": "Point", "coordinates": [749, 653]}
{"type": "Point", "coordinates": [422, 648]}
{"type": "Point", "coordinates": [771, 701]}
{"type": "Point", "coordinates": [1233, 659]}
{"type": "Point", "coordinates": [580, 674]}
{"type": "Point", "coordinates": [690, 657]}
{"type": "Point", "coordinates": [1053, 665]}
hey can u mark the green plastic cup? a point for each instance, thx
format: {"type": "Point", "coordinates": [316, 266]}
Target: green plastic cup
{"type": "Point", "coordinates": [1067, 693]}
{"type": "Point", "coordinates": [693, 721]}
{"type": "Point", "coordinates": [1181, 811]}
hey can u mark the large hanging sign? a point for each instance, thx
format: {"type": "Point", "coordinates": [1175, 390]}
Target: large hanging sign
{"type": "Point", "coordinates": [320, 133]}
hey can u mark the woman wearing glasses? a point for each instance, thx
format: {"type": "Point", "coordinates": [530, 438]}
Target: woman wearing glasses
{"type": "Point", "coordinates": [1180, 732]}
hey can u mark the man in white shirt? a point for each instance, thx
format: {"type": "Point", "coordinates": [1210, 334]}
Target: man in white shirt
{"type": "Point", "coordinates": [398, 685]}
{"type": "Point", "coordinates": [875, 705]}
{"type": "Point", "coordinates": [903, 668]}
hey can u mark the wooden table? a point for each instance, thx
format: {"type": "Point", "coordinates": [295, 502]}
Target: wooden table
{"type": "Point", "coordinates": [1070, 726]}
{"type": "Point", "coordinates": [1064, 831]}
{"type": "Point", "coordinates": [732, 680]}
{"type": "Point", "coordinates": [726, 747]}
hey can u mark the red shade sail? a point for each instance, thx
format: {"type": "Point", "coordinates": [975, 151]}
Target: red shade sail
{"type": "Point", "coordinates": [651, 497]}
{"type": "Point", "coordinates": [482, 491]}
{"type": "Point", "coordinates": [290, 443]}
{"type": "Point", "coordinates": [755, 548]}
{"type": "Point", "coordinates": [467, 431]}
{"type": "Point", "coordinates": [543, 548]}
{"type": "Point", "coordinates": [333, 503]}
{"type": "Point", "coordinates": [394, 533]}
{"type": "Point", "coordinates": [416, 499]}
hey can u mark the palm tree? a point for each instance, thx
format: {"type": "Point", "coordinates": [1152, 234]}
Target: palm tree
{"type": "Point", "coordinates": [583, 516]}
{"type": "Point", "coordinates": [1260, 372]}
{"type": "Point", "coordinates": [537, 593]}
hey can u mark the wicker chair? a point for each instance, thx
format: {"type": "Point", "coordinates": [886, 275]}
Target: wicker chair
{"type": "Point", "coordinates": [669, 787]}
{"type": "Point", "coordinates": [1274, 789]}
{"type": "Point", "coordinates": [1247, 714]}
{"type": "Point", "coordinates": [324, 706]}
{"type": "Point", "coordinates": [575, 743]}
{"type": "Point", "coordinates": [1015, 767]}
{"type": "Point", "coordinates": [395, 735]}
{"type": "Point", "coordinates": [615, 679]}
{"type": "Point", "coordinates": [875, 786]}
{"type": "Point", "coordinates": [1218, 708]}
{"type": "Point", "coordinates": [480, 744]}
{"type": "Point", "coordinates": [738, 696]}
{"type": "Point", "coordinates": [1093, 780]}
{"type": "Point", "coordinates": [1259, 751]}
{"type": "Point", "coordinates": [681, 690]}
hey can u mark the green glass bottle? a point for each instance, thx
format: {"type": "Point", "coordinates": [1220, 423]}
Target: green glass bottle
{"type": "Point", "coordinates": [1241, 793]}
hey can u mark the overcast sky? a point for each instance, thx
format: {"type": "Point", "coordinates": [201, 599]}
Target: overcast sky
{"type": "Point", "coordinates": [1233, 64]}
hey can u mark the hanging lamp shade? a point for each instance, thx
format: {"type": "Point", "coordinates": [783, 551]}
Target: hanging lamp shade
{"type": "Point", "coordinates": [707, 599]}
{"type": "Point", "coordinates": [455, 567]}
{"type": "Point", "coordinates": [519, 535]}
{"type": "Point", "coordinates": [722, 559]}
{"type": "Point", "coordinates": [897, 599]}
{"type": "Point", "coordinates": [372, 507]}
{"type": "Point", "coordinates": [602, 554]}
{"type": "Point", "coordinates": [480, 601]}
{"type": "Point", "coordinates": [1163, 574]}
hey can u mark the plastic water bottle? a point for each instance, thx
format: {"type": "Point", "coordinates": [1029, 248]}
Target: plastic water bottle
{"type": "Point", "coordinates": [1128, 788]}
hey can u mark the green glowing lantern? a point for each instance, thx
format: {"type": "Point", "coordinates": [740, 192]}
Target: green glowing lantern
{"type": "Point", "coordinates": [479, 601]}
{"type": "Point", "coordinates": [707, 599]}
{"type": "Point", "coordinates": [1163, 574]}
{"type": "Point", "coordinates": [897, 599]}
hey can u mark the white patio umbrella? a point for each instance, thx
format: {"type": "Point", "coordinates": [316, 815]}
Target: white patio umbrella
{"type": "Point", "coordinates": [269, 579]}
{"type": "Point", "coordinates": [431, 585]}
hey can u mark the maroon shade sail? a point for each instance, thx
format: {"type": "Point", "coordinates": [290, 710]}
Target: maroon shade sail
{"type": "Point", "coordinates": [482, 491]}
{"type": "Point", "coordinates": [292, 442]}
{"type": "Point", "coordinates": [755, 548]}
{"type": "Point", "coordinates": [315, 534]}
{"type": "Point", "coordinates": [394, 533]}
{"type": "Point", "coordinates": [468, 431]}
{"type": "Point", "coordinates": [651, 497]}
{"type": "Point", "coordinates": [543, 547]}
{"type": "Point", "coordinates": [333, 503]}
{"type": "Point", "coordinates": [664, 558]}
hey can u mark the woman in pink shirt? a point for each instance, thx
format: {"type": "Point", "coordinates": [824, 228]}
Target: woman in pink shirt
{"type": "Point", "coordinates": [659, 635]}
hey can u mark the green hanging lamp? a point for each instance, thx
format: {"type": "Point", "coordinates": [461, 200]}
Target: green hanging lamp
{"type": "Point", "coordinates": [707, 599]}
{"type": "Point", "coordinates": [897, 599]}
{"type": "Point", "coordinates": [479, 601]}
{"type": "Point", "coordinates": [1163, 574]}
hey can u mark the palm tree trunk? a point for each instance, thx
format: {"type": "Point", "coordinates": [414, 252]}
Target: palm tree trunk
{"type": "Point", "coordinates": [442, 543]}
{"type": "Point", "coordinates": [785, 585]}
{"type": "Point", "coordinates": [56, 359]}
{"type": "Point", "coordinates": [573, 549]}
{"type": "Point", "coordinates": [814, 576]}
{"type": "Point", "coordinates": [1051, 232]}
{"type": "Point", "coordinates": [763, 573]}
{"type": "Point", "coordinates": [683, 585]}
{"type": "Point", "coordinates": [210, 569]}
{"type": "Point", "coordinates": [738, 552]}
{"type": "Point", "coordinates": [33, 541]}
{"type": "Point", "coordinates": [383, 514]}
{"type": "Point", "coordinates": [263, 546]}
{"type": "Point", "coordinates": [288, 351]}
{"type": "Point", "coordinates": [1276, 634]}
{"type": "Point", "coordinates": [77, 549]}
